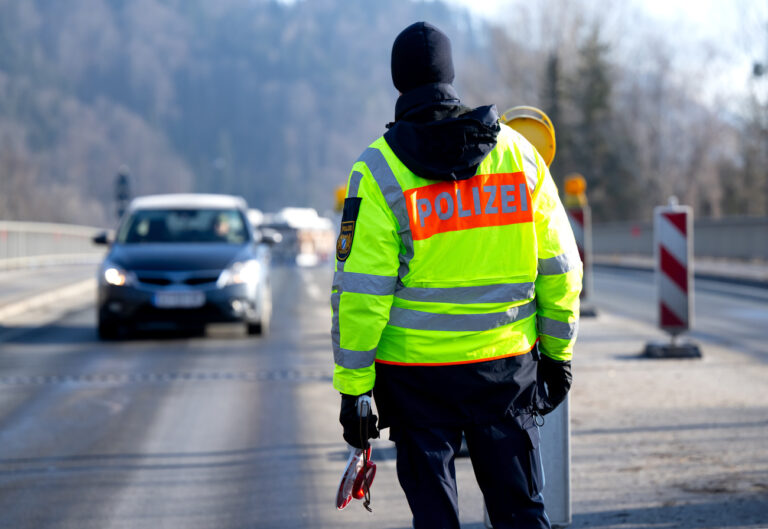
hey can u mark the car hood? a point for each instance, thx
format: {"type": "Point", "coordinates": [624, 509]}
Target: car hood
{"type": "Point", "coordinates": [206, 256]}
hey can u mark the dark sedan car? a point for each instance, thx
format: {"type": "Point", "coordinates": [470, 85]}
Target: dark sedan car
{"type": "Point", "coordinates": [184, 261]}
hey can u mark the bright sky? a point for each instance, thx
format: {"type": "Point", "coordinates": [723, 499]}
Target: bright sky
{"type": "Point", "coordinates": [705, 17]}
{"type": "Point", "coordinates": [705, 12]}
{"type": "Point", "coordinates": [735, 32]}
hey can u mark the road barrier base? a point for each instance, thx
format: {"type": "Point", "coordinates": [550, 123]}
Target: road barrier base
{"type": "Point", "coordinates": [672, 350]}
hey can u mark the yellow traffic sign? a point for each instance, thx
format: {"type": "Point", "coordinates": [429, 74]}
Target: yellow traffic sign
{"type": "Point", "coordinates": [575, 188]}
{"type": "Point", "coordinates": [535, 126]}
{"type": "Point", "coordinates": [340, 193]}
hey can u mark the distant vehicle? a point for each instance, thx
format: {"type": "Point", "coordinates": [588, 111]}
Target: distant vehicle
{"type": "Point", "coordinates": [184, 260]}
{"type": "Point", "coordinates": [307, 238]}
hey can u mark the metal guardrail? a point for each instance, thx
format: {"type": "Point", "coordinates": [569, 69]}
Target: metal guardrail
{"type": "Point", "coordinates": [740, 238]}
{"type": "Point", "coordinates": [25, 244]}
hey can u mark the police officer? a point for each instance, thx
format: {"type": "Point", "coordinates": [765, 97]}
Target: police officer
{"type": "Point", "coordinates": [456, 294]}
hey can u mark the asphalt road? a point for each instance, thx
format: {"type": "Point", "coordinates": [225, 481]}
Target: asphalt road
{"type": "Point", "coordinates": [163, 431]}
{"type": "Point", "coordinates": [227, 431]}
{"type": "Point", "coordinates": [728, 314]}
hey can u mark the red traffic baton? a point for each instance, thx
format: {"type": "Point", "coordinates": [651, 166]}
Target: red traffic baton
{"type": "Point", "coordinates": [357, 478]}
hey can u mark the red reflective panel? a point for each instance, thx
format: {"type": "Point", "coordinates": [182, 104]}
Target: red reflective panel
{"type": "Point", "coordinates": [673, 269]}
{"type": "Point", "coordinates": [678, 220]}
{"type": "Point", "coordinates": [669, 318]}
{"type": "Point", "coordinates": [483, 200]}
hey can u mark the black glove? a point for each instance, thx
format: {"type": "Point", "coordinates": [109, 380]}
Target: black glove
{"type": "Point", "coordinates": [557, 377]}
{"type": "Point", "coordinates": [357, 430]}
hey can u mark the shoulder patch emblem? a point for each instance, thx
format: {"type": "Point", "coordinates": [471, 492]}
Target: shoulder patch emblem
{"type": "Point", "coordinates": [347, 233]}
{"type": "Point", "coordinates": [344, 244]}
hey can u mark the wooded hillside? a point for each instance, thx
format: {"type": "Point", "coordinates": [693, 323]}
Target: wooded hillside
{"type": "Point", "coordinates": [274, 101]}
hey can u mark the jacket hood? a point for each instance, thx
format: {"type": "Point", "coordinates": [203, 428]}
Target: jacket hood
{"type": "Point", "coordinates": [437, 137]}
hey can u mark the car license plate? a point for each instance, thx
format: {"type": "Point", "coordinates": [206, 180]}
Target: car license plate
{"type": "Point", "coordinates": [179, 300]}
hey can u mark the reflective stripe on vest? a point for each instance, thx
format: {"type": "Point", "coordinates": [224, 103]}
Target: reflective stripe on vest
{"type": "Point", "coordinates": [353, 359]}
{"type": "Point", "coordinates": [364, 283]}
{"type": "Point", "coordinates": [503, 293]}
{"type": "Point", "coordinates": [431, 321]}
{"type": "Point", "coordinates": [354, 183]}
{"type": "Point", "coordinates": [557, 329]}
{"type": "Point", "coordinates": [393, 194]}
{"type": "Point", "coordinates": [559, 264]}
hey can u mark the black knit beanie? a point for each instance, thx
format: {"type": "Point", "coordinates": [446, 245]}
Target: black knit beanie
{"type": "Point", "coordinates": [421, 55]}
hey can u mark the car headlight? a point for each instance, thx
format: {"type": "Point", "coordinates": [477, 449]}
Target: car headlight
{"type": "Point", "coordinates": [114, 275]}
{"type": "Point", "coordinates": [240, 272]}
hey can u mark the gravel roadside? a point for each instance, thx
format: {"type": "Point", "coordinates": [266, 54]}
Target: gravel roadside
{"type": "Point", "coordinates": [666, 443]}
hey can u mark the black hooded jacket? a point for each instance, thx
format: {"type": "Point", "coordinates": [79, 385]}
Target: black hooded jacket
{"type": "Point", "coordinates": [437, 137]}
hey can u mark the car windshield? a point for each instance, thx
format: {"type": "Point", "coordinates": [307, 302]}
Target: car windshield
{"type": "Point", "coordinates": [184, 226]}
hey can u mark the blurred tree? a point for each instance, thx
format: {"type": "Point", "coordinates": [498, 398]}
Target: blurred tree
{"type": "Point", "coordinates": [274, 100]}
{"type": "Point", "coordinates": [555, 99]}
{"type": "Point", "coordinates": [745, 182]}
{"type": "Point", "coordinates": [598, 148]}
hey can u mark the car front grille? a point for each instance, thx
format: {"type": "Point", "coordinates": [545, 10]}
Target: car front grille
{"type": "Point", "coordinates": [159, 281]}
{"type": "Point", "coordinates": [201, 280]}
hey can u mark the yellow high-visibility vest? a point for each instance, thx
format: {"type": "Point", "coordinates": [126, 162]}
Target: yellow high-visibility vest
{"type": "Point", "coordinates": [451, 272]}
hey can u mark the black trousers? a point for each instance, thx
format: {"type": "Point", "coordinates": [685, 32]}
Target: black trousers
{"type": "Point", "coordinates": [507, 462]}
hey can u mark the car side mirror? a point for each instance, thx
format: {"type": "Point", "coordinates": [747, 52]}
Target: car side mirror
{"type": "Point", "coordinates": [101, 239]}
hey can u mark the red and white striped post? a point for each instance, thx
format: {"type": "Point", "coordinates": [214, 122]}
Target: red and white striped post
{"type": "Point", "coordinates": [673, 249]}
